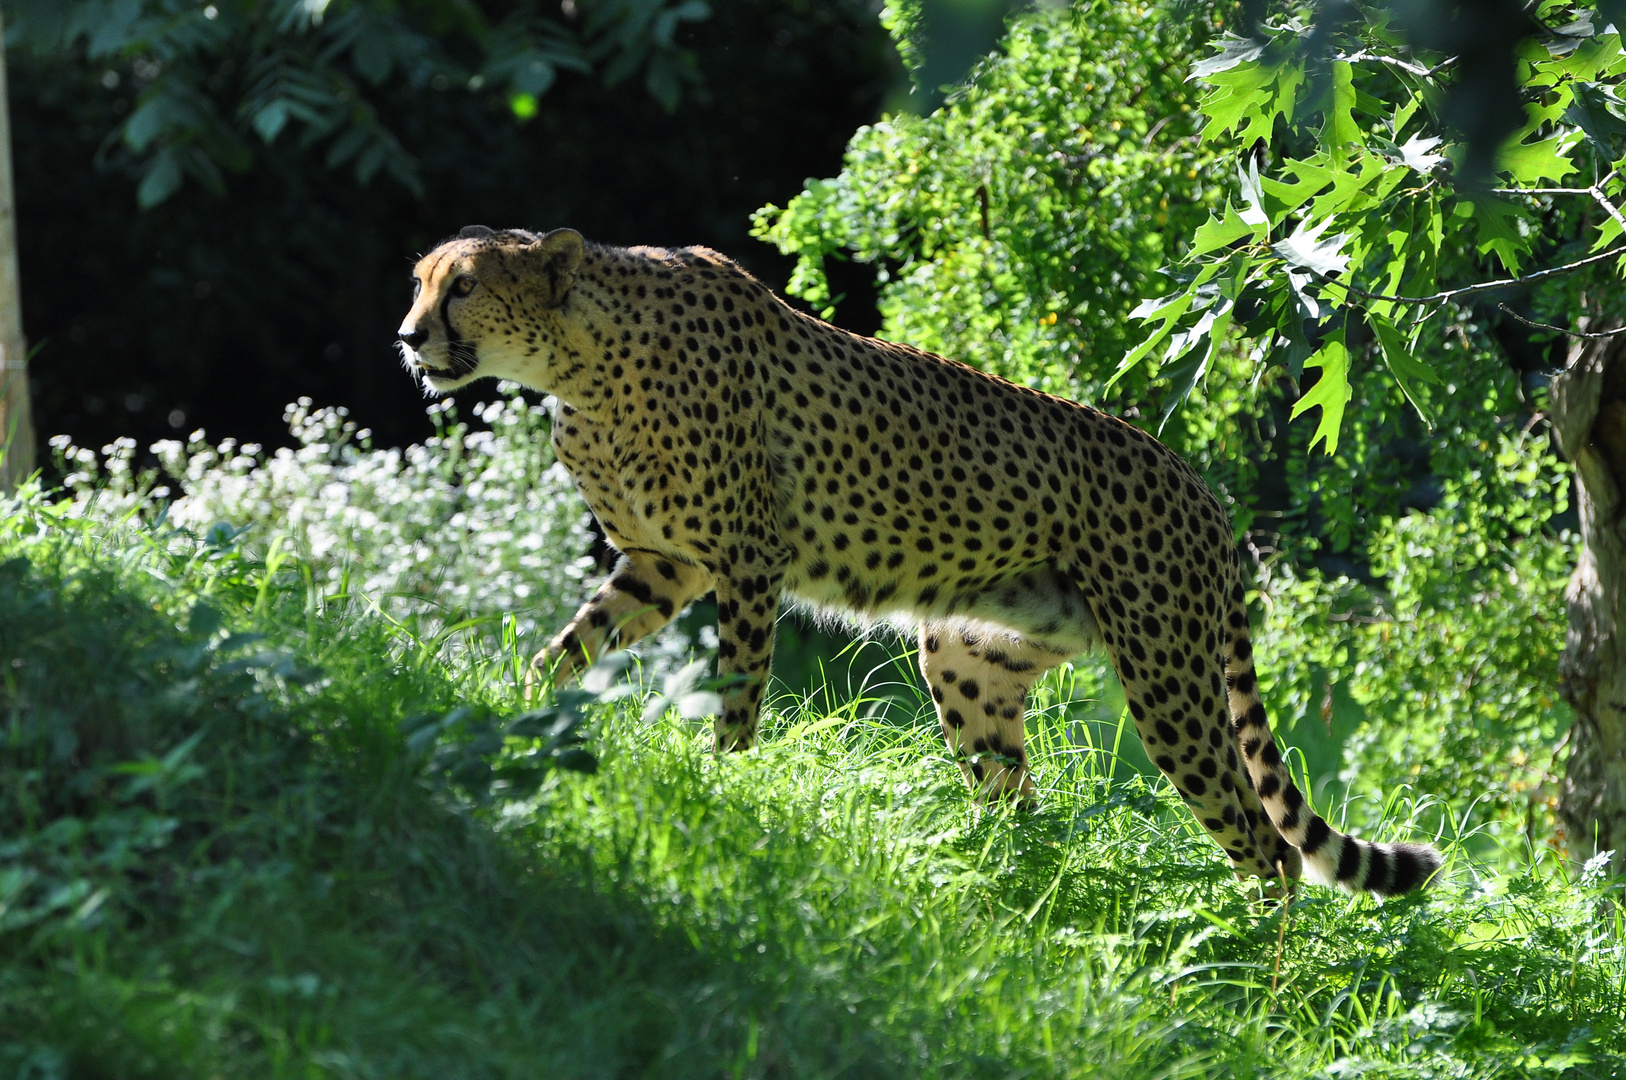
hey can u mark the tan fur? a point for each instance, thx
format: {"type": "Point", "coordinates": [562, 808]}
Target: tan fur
{"type": "Point", "coordinates": [727, 442]}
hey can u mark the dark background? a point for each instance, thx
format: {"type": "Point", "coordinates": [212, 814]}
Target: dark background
{"type": "Point", "coordinates": [215, 310]}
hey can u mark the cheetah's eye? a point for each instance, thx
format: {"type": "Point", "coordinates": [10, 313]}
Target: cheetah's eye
{"type": "Point", "coordinates": [463, 286]}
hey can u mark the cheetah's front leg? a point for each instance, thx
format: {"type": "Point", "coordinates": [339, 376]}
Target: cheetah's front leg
{"type": "Point", "coordinates": [642, 595]}
{"type": "Point", "coordinates": [747, 605]}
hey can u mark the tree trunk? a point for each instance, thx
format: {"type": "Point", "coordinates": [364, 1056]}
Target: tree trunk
{"type": "Point", "coordinates": [1589, 414]}
{"type": "Point", "coordinates": [16, 414]}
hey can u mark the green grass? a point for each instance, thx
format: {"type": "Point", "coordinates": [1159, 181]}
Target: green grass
{"type": "Point", "coordinates": [232, 855]}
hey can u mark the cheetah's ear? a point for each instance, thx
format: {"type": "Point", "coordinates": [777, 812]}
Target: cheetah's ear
{"type": "Point", "coordinates": [557, 256]}
{"type": "Point", "coordinates": [475, 232]}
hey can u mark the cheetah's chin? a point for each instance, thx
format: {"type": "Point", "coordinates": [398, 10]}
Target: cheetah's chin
{"type": "Point", "coordinates": [439, 380]}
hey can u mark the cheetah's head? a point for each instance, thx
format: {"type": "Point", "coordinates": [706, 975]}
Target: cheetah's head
{"type": "Point", "coordinates": [489, 304]}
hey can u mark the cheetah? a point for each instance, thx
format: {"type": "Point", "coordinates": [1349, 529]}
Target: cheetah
{"type": "Point", "coordinates": [727, 442]}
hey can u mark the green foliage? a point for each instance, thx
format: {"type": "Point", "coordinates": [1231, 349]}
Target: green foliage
{"type": "Point", "coordinates": [1008, 227]}
{"type": "Point", "coordinates": [1454, 663]}
{"type": "Point", "coordinates": [215, 79]}
{"type": "Point", "coordinates": [277, 883]}
{"type": "Point", "coordinates": [902, 21]}
{"type": "Point", "coordinates": [1359, 233]}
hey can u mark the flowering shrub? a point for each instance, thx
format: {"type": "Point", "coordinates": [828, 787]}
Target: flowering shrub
{"type": "Point", "coordinates": [474, 534]}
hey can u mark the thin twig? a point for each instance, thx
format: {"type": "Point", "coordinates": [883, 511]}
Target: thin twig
{"type": "Point", "coordinates": [1542, 190]}
{"type": "Point", "coordinates": [1441, 66]}
{"type": "Point", "coordinates": [1596, 191]}
{"type": "Point", "coordinates": [1414, 69]}
{"type": "Point", "coordinates": [1559, 329]}
{"type": "Point", "coordinates": [1448, 295]}
{"type": "Point", "coordinates": [1157, 127]}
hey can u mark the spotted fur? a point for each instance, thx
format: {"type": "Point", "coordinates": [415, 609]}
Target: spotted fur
{"type": "Point", "coordinates": [726, 441]}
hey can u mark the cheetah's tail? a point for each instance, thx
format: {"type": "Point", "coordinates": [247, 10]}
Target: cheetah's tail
{"type": "Point", "coordinates": [1330, 856]}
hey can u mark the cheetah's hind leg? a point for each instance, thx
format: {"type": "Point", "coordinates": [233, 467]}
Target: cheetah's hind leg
{"type": "Point", "coordinates": [979, 675]}
{"type": "Point", "coordinates": [1165, 646]}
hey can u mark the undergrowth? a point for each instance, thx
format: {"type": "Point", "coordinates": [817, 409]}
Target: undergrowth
{"type": "Point", "coordinates": [250, 825]}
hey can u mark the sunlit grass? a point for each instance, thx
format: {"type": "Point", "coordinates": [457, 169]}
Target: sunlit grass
{"type": "Point", "coordinates": [219, 856]}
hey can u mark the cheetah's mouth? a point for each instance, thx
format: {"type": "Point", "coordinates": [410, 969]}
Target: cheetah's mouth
{"type": "Point", "coordinates": [458, 364]}
{"type": "Point", "coordinates": [441, 380]}
{"type": "Point", "coordinates": [462, 360]}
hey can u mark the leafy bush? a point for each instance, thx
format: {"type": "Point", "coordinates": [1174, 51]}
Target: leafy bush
{"type": "Point", "coordinates": [1010, 227]}
{"type": "Point", "coordinates": [1452, 657]}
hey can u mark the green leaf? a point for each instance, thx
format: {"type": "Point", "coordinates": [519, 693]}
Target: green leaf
{"type": "Point", "coordinates": [1209, 334]}
{"type": "Point", "coordinates": [1417, 153]}
{"type": "Point", "coordinates": [1595, 111]}
{"type": "Point", "coordinates": [1340, 129]}
{"type": "Point", "coordinates": [1542, 162]}
{"type": "Point", "coordinates": [1236, 96]}
{"type": "Point", "coordinates": [151, 119]}
{"type": "Point", "coordinates": [1218, 232]}
{"type": "Point", "coordinates": [372, 56]}
{"type": "Point", "coordinates": [1253, 195]}
{"type": "Point", "coordinates": [1349, 192]}
{"type": "Point", "coordinates": [1307, 304]}
{"type": "Point", "coordinates": [1309, 178]}
{"type": "Point", "coordinates": [1331, 392]}
{"type": "Point", "coordinates": [523, 106]}
{"type": "Point", "coordinates": [1233, 50]}
{"type": "Point", "coordinates": [1498, 224]}
{"type": "Point", "coordinates": [1403, 364]}
{"type": "Point", "coordinates": [1394, 270]}
{"type": "Point", "coordinates": [1614, 12]}
{"type": "Point", "coordinates": [1608, 231]}
{"type": "Point", "coordinates": [204, 619]}
{"type": "Point", "coordinates": [1168, 311]}
{"type": "Point", "coordinates": [270, 121]}
{"type": "Point", "coordinates": [162, 179]}
{"type": "Point", "coordinates": [1284, 94]}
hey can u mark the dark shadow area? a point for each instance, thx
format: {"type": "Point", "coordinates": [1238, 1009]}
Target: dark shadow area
{"type": "Point", "coordinates": [215, 311]}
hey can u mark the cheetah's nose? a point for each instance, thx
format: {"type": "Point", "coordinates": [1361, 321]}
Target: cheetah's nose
{"type": "Point", "coordinates": [412, 337]}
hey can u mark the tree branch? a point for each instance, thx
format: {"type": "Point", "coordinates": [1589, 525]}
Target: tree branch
{"type": "Point", "coordinates": [1596, 191]}
{"type": "Point", "coordinates": [1603, 201]}
{"type": "Point", "coordinates": [1449, 295]}
{"type": "Point", "coordinates": [1559, 329]}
